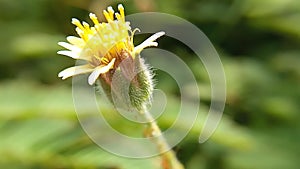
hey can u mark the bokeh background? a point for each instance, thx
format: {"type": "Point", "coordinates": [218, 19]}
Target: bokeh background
{"type": "Point", "coordinates": [258, 42]}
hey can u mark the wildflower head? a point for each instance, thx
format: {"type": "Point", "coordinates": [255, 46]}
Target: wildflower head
{"type": "Point", "coordinates": [104, 46]}
{"type": "Point", "coordinates": [109, 52]}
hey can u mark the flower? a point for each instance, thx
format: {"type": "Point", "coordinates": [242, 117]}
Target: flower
{"type": "Point", "coordinates": [104, 46]}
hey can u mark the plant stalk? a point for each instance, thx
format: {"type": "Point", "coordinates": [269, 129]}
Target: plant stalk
{"type": "Point", "coordinates": [153, 132]}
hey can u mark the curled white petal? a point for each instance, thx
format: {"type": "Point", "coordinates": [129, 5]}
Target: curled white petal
{"type": "Point", "coordinates": [68, 53]}
{"type": "Point", "coordinates": [99, 70]}
{"type": "Point", "coordinates": [76, 70]}
{"type": "Point", "coordinates": [155, 36]}
{"type": "Point", "coordinates": [76, 41]}
{"type": "Point", "coordinates": [148, 42]}
{"type": "Point", "coordinates": [74, 55]}
{"type": "Point", "coordinates": [70, 47]}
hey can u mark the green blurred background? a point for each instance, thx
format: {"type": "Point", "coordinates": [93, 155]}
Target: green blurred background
{"type": "Point", "coordinates": [258, 42]}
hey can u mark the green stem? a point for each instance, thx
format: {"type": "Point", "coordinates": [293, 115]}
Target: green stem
{"type": "Point", "coordinates": [153, 132]}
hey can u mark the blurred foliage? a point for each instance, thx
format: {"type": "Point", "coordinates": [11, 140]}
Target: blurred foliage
{"type": "Point", "coordinates": [258, 42]}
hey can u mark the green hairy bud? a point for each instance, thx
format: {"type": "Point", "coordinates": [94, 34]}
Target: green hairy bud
{"type": "Point", "coordinates": [130, 85]}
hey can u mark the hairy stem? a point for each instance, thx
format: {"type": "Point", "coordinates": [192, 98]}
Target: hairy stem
{"type": "Point", "coordinates": [153, 132]}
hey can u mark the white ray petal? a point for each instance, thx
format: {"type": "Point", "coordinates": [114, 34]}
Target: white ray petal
{"type": "Point", "coordinates": [68, 53]}
{"type": "Point", "coordinates": [155, 36]}
{"type": "Point", "coordinates": [74, 55]}
{"type": "Point", "coordinates": [76, 41]}
{"type": "Point", "coordinates": [148, 42]}
{"type": "Point", "coordinates": [76, 70]}
{"type": "Point", "coordinates": [99, 70]}
{"type": "Point", "coordinates": [70, 47]}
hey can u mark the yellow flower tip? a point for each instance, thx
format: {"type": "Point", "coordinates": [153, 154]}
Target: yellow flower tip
{"type": "Point", "coordinates": [76, 22]}
{"type": "Point", "coordinates": [87, 27]}
{"type": "Point", "coordinates": [109, 13]}
{"type": "Point", "coordinates": [107, 16]}
{"type": "Point", "coordinates": [92, 15]}
{"type": "Point", "coordinates": [121, 9]}
{"type": "Point", "coordinates": [118, 16]}
{"type": "Point", "coordinates": [94, 18]}
{"type": "Point", "coordinates": [110, 10]}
